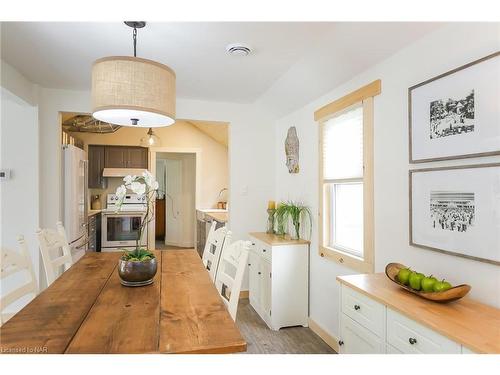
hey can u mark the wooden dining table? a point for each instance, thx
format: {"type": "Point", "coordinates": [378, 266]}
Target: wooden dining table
{"type": "Point", "coordinates": [87, 310]}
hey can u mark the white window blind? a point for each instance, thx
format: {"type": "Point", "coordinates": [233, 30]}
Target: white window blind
{"type": "Point", "coordinates": [343, 145]}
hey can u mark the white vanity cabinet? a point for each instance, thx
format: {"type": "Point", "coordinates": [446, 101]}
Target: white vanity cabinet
{"type": "Point", "coordinates": [377, 316]}
{"type": "Point", "coordinates": [279, 280]}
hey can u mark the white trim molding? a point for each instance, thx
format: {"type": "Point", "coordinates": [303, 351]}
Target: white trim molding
{"type": "Point", "coordinates": [331, 341]}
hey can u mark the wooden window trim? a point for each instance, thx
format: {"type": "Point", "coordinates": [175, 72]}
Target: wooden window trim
{"type": "Point", "coordinates": [365, 92]}
{"type": "Point", "coordinates": [364, 95]}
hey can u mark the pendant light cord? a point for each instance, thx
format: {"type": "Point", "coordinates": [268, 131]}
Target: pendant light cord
{"type": "Point", "coordinates": [134, 35]}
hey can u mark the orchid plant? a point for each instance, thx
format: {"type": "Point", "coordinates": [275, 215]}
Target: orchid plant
{"type": "Point", "coordinates": [145, 185]}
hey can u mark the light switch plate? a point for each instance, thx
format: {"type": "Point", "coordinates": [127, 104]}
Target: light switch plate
{"type": "Point", "coordinates": [4, 174]}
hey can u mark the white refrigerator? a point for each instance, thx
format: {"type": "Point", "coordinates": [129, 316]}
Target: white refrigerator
{"type": "Point", "coordinates": [75, 199]}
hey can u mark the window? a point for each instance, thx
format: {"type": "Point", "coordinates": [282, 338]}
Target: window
{"type": "Point", "coordinates": [346, 179]}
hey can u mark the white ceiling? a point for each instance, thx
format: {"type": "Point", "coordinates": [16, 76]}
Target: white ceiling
{"type": "Point", "coordinates": [60, 54]}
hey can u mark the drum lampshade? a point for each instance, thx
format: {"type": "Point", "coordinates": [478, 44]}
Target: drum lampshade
{"type": "Point", "coordinates": [131, 91]}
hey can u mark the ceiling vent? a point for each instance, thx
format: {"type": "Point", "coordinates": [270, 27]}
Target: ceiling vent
{"type": "Point", "coordinates": [238, 49]}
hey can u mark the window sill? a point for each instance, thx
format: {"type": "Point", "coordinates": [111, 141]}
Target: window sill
{"type": "Point", "coordinates": [345, 259]}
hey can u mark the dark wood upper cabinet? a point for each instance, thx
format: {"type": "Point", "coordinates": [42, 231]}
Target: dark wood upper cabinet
{"type": "Point", "coordinates": [137, 157]}
{"type": "Point", "coordinates": [116, 157]}
{"type": "Point", "coordinates": [96, 165]}
{"type": "Point", "coordinates": [126, 157]}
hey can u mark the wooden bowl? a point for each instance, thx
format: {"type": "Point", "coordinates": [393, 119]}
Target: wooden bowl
{"type": "Point", "coordinates": [452, 294]}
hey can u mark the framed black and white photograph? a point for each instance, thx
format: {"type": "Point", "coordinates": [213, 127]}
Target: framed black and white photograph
{"type": "Point", "coordinates": [456, 114]}
{"type": "Point", "coordinates": [456, 210]}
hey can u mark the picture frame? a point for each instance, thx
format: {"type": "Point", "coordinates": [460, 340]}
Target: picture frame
{"type": "Point", "coordinates": [455, 115]}
{"type": "Point", "coordinates": [456, 211]}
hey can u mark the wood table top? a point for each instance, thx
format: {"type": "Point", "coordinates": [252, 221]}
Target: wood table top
{"type": "Point", "coordinates": [87, 310]}
{"type": "Point", "coordinates": [468, 322]}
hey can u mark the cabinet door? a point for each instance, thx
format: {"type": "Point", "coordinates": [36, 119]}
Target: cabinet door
{"type": "Point", "coordinates": [96, 165]}
{"type": "Point", "coordinates": [358, 340]}
{"type": "Point", "coordinates": [137, 157]}
{"type": "Point", "coordinates": [254, 279]}
{"type": "Point", "coordinates": [115, 156]}
{"type": "Point", "coordinates": [265, 286]}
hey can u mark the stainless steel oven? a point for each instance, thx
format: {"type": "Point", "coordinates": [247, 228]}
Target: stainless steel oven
{"type": "Point", "coordinates": [120, 230]}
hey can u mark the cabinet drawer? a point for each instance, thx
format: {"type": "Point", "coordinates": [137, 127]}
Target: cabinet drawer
{"type": "Point", "coordinates": [411, 337]}
{"type": "Point", "coordinates": [367, 312]}
{"type": "Point", "coordinates": [355, 339]}
{"type": "Point", "coordinates": [262, 249]}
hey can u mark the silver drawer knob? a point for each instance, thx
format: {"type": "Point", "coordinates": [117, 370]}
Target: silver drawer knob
{"type": "Point", "coordinates": [357, 307]}
{"type": "Point", "coordinates": [412, 340]}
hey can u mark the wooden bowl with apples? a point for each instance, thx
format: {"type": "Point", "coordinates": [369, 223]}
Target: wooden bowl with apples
{"type": "Point", "coordinates": [427, 287]}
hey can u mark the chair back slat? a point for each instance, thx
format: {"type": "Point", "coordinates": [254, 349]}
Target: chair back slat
{"type": "Point", "coordinates": [54, 242]}
{"type": "Point", "coordinates": [229, 277]}
{"type": "Point", "coordinates": [11, 263]}
{"type": "Point", "coordinates": [213, 248]}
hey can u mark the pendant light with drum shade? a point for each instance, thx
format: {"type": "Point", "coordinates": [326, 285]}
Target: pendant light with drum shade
{"type": "Point", "coordinates": [131, 91]}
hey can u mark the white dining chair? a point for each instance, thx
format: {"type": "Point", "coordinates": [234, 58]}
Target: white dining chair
{"type": "Point", "coordinates": [213, 248]}
{"type": "Point", "coordinates": [229, 277]}
{"type": "Point", "coordinates": [55, 251]}
{"type": "Point", "coordinates": [18, 268]}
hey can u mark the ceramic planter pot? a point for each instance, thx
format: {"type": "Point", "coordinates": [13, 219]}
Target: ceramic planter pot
{"type": "Point", "coordinates": [137, 273]}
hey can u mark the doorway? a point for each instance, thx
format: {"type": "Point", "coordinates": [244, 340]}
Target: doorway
{"type": "Point", "coordinates": [176, 203]}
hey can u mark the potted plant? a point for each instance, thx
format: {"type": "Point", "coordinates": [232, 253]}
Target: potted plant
{"type": "Point", "coordinates": [297, 213]}
{"type": "Point", "coordinates": [138, 267]}
{"type": "Point", "coordinates": [281, 219]}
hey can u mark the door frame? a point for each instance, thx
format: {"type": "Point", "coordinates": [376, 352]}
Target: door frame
{"type": "Point", "coordinates": [152, 156]}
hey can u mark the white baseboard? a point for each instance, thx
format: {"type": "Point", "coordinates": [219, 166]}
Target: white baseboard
{"type": "Point", "coordinates": [332, 341]}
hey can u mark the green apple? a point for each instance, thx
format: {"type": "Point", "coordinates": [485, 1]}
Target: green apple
{"type": "Point", "coordinates": [427, 283]}
{"type": "Point", "coordinates": [441, 286]}
{"type": "Point", "coordinates": [403, 275]}
{"type": "Point", "coordinates": [415, 280]}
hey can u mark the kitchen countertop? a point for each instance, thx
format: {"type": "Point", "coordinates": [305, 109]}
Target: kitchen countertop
{"type": "Point", "coordinates": [468, 322]}
{"type": "Point", "coordinates": [93, 212]}
{"type": "Point", "coordinates": [221, 217]}
{"type": "Point", "coordinates": [214, 214]}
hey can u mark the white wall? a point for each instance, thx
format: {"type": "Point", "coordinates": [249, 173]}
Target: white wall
{"type": "Point", "coordinates": [19, 199]}
{"type": "Point", "coordinates": [438, 52]}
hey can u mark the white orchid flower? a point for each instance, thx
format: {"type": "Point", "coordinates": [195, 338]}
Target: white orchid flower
{"type": "Point", "coordinates": [129, 179]}
{"type": "Point", "coordinates": [155, 185]}
{"type": "Point", "coordinates": [148, 178]}
{"type": "Point", "coordinates": [121, 191]}
{"type": "Point", "coordinates": [120, 195]}
{"type": "Point", "coordinates": [138, 188]}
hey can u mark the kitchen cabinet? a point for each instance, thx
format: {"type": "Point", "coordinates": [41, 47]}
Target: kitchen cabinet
{"type": "Point", "coordinates": [95, 167]}
{"type": "Point", "coordinates": [137, 157]}
{"type": "Point", "coordinates": [126, 157]}
{"type": "Point", "coordinates": [94, 226]}
{"type": "Point", "coordinates": [377, 316]}
{"type": "Point", "coordinates": [279, 280]}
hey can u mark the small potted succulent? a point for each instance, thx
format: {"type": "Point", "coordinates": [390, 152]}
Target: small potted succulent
{"type": "Point", "coordinates": [138, 267]}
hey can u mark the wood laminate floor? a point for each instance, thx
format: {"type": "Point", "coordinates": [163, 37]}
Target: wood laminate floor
{"type": "Point", "coordinates": [160, 245]}
{"type": "Point", "coordinates": [261, 340]}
